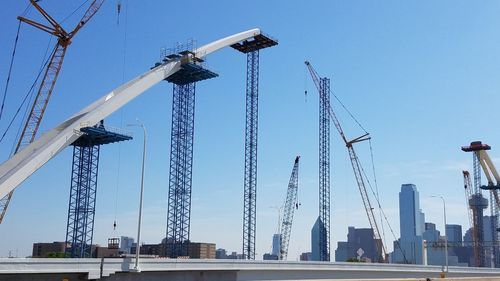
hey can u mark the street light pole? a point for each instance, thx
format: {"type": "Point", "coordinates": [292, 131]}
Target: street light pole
{"type": "Point", "coordinates": [138, 247]}
{"type": "Point", "coordinates": [445, 236]}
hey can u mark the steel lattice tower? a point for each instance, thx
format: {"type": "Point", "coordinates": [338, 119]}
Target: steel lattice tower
{"type": "Point", "coordinates": [181, 166]}
{"type": "Point", "coordinates": [324, 170]}
{"type": "Point", "coordinates": [478, 204]}
{"type": "Point", "coordinates": [181, 149]}
{"type": "Point", "coordinates": [81, 212]}
{"type": "Point", "coordinates": [251, 128]}
{"type": "Point", "coordinates": [251, 49]}
{"type": "Point", "coordinates": [82, 198]}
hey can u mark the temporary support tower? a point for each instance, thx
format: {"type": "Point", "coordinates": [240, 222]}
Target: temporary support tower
{"type": "Point", "coordinates": [181, 151]}
{"type": "Point", "coordinates": [19, 167]}
{"type": "Point", "coordinates": [324, 170]}
{"type": "Point", "coordinates": [251, 48]}
{"type": "Point", "coordinates": [48, 82]}
{"type": "Point", "coordinates": [82, 198]}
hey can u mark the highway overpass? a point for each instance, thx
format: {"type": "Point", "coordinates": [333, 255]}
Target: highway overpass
{"type": "Point", "coordinates": [223, 270]}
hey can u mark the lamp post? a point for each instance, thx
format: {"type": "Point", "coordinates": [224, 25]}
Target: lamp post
{"type": "Point", "coordinates": [445, 236]}
{"type": "Point", "coordinates": [138, 247]}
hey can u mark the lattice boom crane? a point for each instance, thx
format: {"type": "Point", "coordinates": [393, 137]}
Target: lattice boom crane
{"type": "Point", "coordinates": [356, 166]}
{"type": "Point", "coordinates": [291, 204]}
{"type": "Point", "coordinates": [52, 70]}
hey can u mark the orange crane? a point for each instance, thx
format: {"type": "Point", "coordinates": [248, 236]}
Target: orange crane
{"type": "Point", "coordinates": [356, 166]}
{"type": "Point", "coordinates": [52, 70]}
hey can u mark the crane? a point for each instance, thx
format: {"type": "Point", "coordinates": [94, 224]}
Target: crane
{"type": "Point", "coordinates": [356, 165]}
{"type": "Point", "coordinates": [51, 73]}
{"type": "Point", "coordinates": [470, 197]}
{"type": "Point", "coordinates": [482, 160]}
{"type": "Point", "coordinates": [291, 203]}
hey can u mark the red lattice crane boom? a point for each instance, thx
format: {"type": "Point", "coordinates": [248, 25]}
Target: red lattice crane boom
{"type": "Point", "coordinates": [51, 73]}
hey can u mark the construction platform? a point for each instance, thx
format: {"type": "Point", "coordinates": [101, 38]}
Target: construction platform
{"type": "Point", "coordinates": [476, 146]}
{"type": "Point", "coordinates": [256, 43]}
{"type": "Point", "coordinates": [99, 134]}
{"type": "Point", "coordinates": [192, 69]}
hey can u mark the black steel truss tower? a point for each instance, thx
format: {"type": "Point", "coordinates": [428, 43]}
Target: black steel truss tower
{"type": "Point", "coordinates": [82, 199]}
{"type": "Point", "coordinates": [324, 170]}
{"type": "Point", "coordinates": [181, 166]}
{"type": "Point", "coordinates": [83, 190]}
{"type": "Point", "coordinates": [251, 128]}
{"type": "Point", "coordinates": [478, 203]}
{"type": "Point", "coordinates": [181, 149]}
{"type": "Point", "coordinates": [251, 49]}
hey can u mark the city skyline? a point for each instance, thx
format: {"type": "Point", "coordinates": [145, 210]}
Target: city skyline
{"type": "Point", "coordinates": [409, 84]}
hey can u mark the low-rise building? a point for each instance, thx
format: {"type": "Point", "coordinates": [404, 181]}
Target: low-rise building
{"type": "Point", "coordinates": [45, 250]}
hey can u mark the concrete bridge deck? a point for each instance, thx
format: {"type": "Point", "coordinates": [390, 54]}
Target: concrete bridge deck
{"type": "Point", "coordinates": [222, 270]}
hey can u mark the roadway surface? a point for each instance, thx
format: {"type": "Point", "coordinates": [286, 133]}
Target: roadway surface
{"type": "Point", "coordinates": [222, 270]}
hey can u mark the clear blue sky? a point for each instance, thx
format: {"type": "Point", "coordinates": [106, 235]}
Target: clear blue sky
{"type": "Point", "coordinates": [422, 77]}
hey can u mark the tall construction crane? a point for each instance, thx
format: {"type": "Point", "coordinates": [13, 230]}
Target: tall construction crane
{"type": "Point", "coordinates": [481, 160]}
{"type": "Point", "coordinates": [356, 166]}
{"type": "Point", "coordinates": [291, 204]}
{"type": "Point", "coordinates": [475, 217]}
{"type": "Point", "coordinates": [52, 70]}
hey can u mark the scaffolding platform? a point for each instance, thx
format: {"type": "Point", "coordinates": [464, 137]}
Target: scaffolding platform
{"type": "Point", "coordinates": [258, 42]}
{"type": "Point", "coordinates": [191, 72]}
{"type": "Point", "coordinates": [99, 134]}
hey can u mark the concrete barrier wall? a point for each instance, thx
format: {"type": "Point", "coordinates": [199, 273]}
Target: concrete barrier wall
{"type": "Point", "coordinates": [221, 270]}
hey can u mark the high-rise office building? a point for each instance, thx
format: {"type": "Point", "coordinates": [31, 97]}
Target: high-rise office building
{"type": "Point", "coordinates": [454, 233]}
{"type": "Point", "coordinates": [315, 238]}
{"type": "Point", "coordinates": [412, 225]}
{"type": "Point", "coordinates": [411, 218]}
{"type": "Point", "coordinates": [276, 244]}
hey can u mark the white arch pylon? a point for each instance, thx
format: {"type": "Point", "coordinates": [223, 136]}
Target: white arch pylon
{"type": "Point", "coordinates": [24, 163]}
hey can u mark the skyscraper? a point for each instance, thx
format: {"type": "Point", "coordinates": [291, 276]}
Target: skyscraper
{"type": "Point", "coordinates": [411, 218]}
{"type": "Point", "coordinates": [412, 225]}
{"type": "Point", "coordinates": [315, 238]}
{"type": "Point", "coordinates": [276, 244]}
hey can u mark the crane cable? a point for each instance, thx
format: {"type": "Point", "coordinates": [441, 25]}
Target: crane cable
{"type": "Point", "coordinates": [348, 112]}
{"type": "Point", "coordinates": [119, 6]}
{"type": "Point", "coordinates": [29, 94]}
{"type": "Point", "coordinates": [74, 11]}
{"type": "Point", "coordinates": [375, 194]}
{"type": "Point", "coordinates": [382, 212]}
{"type": "Point", "coordinates": [10, 69]}
{"type": "Point", "coordinates": [376, 189]}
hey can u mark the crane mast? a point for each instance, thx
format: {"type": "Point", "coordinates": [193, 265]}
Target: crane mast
{"type": "Point", "coordinates": [356, 166]}
{"type": "Point", "coordinates": [51, 74]}
{"type": "Point", "coordinates": [473, 218]}
{"type": "Point", "coordinates": [291, 204]}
